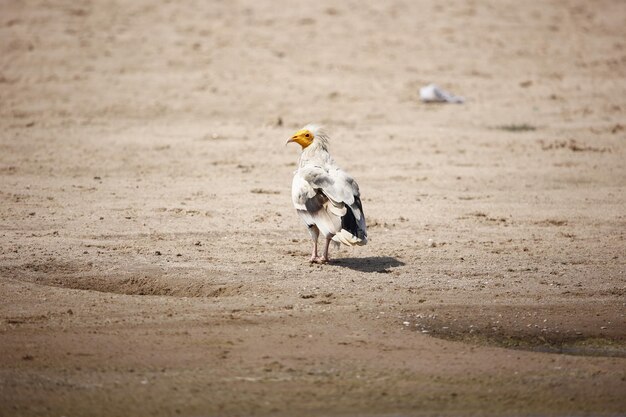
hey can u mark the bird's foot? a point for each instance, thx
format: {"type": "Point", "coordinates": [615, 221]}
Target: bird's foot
{"type": "Point", "coordinates": [319, 260]}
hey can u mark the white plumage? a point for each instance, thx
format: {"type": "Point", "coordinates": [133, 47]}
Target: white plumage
{"type": "Point", "coordinates": [326, 197]}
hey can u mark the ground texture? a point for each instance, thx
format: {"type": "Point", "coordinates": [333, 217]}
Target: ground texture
{"type": "Point", "coordinates": [151, 262]}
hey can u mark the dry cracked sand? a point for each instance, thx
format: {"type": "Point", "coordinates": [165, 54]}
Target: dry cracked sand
{"type": "Point", "coordinates": [151, 262]}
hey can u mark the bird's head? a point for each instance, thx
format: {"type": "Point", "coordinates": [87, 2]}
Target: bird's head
{"type": "Point", "coordinates": [309, 133]}
{"type": "Point", "coordinates": [303, 137]}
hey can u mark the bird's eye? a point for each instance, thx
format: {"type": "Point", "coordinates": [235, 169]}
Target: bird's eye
{"type": "Point", "coordinates": [307, 135]}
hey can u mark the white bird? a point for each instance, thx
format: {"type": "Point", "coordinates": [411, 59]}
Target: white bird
{"type": "Point", "coordinates": [326, 197]}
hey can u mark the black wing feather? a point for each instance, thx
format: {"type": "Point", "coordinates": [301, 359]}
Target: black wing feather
{"type": "Point", "coordinates": [348, 221]}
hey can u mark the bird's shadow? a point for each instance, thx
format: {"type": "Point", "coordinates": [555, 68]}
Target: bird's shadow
{"type": "Point", "coordinates": [380, 264]}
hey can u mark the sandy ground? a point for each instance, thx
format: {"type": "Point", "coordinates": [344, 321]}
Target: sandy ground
{"type": "Point", "coordinates": [151, 262]}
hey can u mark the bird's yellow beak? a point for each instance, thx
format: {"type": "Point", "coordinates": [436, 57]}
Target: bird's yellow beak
{"type": "Point", "coordinates": [302, 137]}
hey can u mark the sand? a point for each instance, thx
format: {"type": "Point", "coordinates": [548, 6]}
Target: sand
{"type": "Point", "coordinates": [151, 262]}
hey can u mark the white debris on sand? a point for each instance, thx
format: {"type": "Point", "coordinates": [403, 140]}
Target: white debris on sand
{"type": "Point", "coordinates": [432, 93]}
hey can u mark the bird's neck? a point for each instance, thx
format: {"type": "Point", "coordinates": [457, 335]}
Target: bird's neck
{"type": "Point", "coordinates": [314, 148]}
{"type": "Point", "coordinates": [317, 152]}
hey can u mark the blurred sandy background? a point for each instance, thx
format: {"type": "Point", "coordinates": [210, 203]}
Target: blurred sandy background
{"type": "Point", "coordinates": [151, 262]}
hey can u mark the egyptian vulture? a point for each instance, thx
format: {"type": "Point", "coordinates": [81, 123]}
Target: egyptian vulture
{"type": "Point", "coordinates": [326, 197]}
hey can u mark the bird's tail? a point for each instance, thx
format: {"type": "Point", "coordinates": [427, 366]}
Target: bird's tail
{"type": "Point", "coordinates": [348, 239]}
{"type": "Point", "coordinates": [353, 229]}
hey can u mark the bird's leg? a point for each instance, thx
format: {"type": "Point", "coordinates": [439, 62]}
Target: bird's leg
{"type": "Point", "coordinates": [315, 232]}
{"type": "Point", "coordinates": [314, 257]}
{"type": "Point", "coordinates": [325, 257]}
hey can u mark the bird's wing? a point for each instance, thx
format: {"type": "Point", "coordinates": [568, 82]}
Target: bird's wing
{"type": "Point", "coordinates": [314, 207]}
{"type": "Point", "coordinates": [323, 195]}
